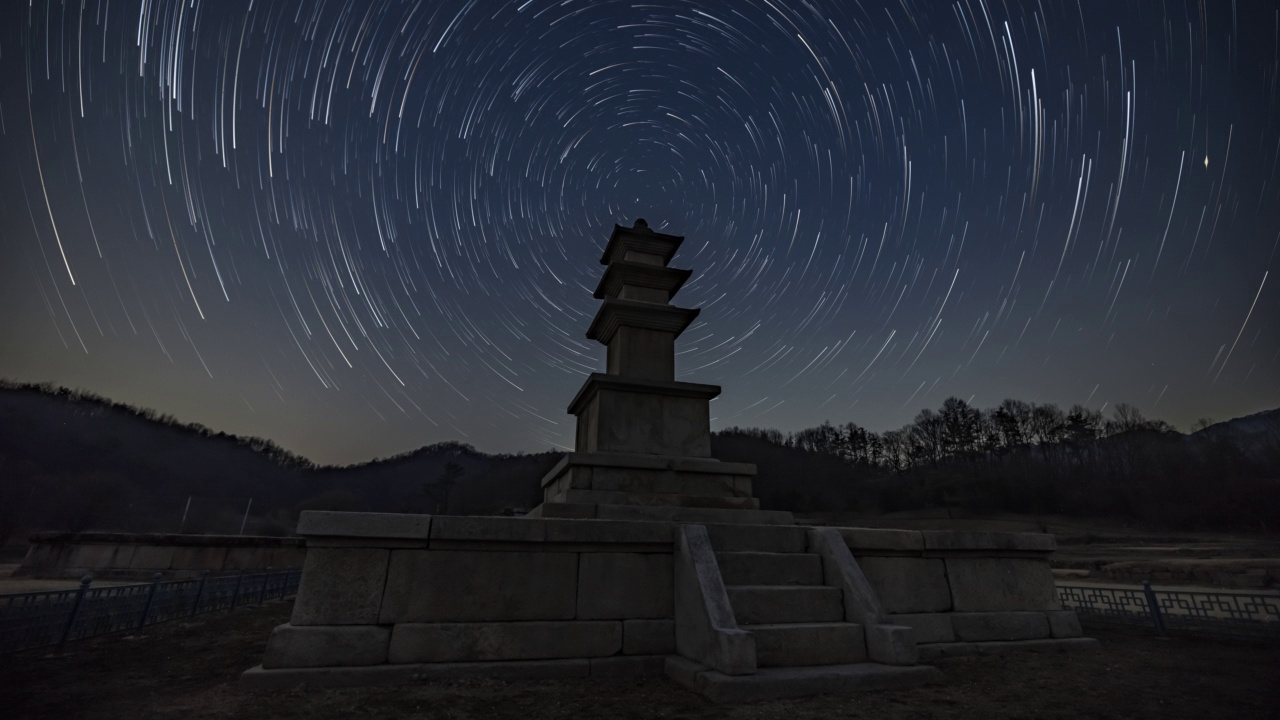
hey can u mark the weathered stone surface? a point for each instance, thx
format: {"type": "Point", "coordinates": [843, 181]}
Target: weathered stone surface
{"type": "Point", "coordinates": [1064, 624]}
{"type": "Point", "coordinates": [667, 482]}
{"type": "Point", "coordinates": [692, 515]}
{"type": "Point", "coordinates": [648, 637]}
{"type": "Point", "coordinates": [756, 604]}
{"type": "Point", "coordinates": [286, 557]}
{"type": "Point", "coordinates": [543, 530]}
{"type": "Point", "coordinates": [928, 627]}
{"type": "Point", "coordinates": [199, 558]}
{"type": "Point", "coordinates": [757, 568]}
{"type": "Point", "coordinates": [628, 666]}
{"type": "Point", "coordinates": [246, 558]}
{"type": "Point", "coordinates": [997, 584]}
{"type": "Point", "coordinates": [892, 644]}
{"type": "Point", "coordinates": [326, 646]}
{"type": "Point", "coordinates": [341, 586]}
{"type": "Point", "coordinates": [624, 585]}
{"type": "Point", "coordinates": [841, 570]}
{"type": "Point", "coordinates": [758, 538]}
{"type": "Point", "coordinates": [486, 641]}
{"type": "Point", "coordinates": [150, 557]}
{"type": "Point", "coordinates": [609, 497]}
{"type": "Point", "coordinates": [937, 651]}
{"type": "Point", "coordinates": [462, 586]}
{"type": "Point", "coordinates": [963, 540]}
{"type": "Point", "coordinates": [907, 584]}
{"type": "Point", "coordinates": [863, 539]}
{"type": "Point", "coordinates": [92, 557]}
{"type": "Point", "coordinates": [705, 626]}
{"type": "Point", "coordinates": [795, 644]}
{"type": "Point", "coordinates": [981, 627]}
{"type": "Point", "coordinates": [358, 524]}
{"type": "Point", "coordinates": [636, 420]}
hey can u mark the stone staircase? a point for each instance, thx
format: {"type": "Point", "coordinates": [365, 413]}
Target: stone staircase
{"type": "Point", "coordinates": [780, 598]}
{"type": "Point", "coordinates": [804, 644]}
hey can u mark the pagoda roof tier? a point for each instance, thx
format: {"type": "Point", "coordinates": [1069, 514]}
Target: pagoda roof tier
{"type": "Point", "coordinates": [615, 313]}
{"type": "Point", "coordinates": [674, 388]}
{"type": "Point", "coordinates": [640, 239]}
{"type": "Point", "coordinates": [622, 272]}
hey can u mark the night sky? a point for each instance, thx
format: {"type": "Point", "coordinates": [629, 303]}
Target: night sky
{"type": "Point", "coordinates": [359, 227]}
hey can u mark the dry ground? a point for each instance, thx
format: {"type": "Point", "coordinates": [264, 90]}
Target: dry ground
{"type": "Point", "coordinates": [188, 671]}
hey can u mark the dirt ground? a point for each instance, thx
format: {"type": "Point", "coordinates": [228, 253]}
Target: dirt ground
{"type": "Point", "coordinates": [189, 671]}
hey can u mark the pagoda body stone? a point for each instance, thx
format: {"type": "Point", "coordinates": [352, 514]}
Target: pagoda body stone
{"type": "Point", "coordinates": [643, 438]}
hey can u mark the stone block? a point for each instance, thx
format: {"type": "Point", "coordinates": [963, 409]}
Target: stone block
{"type": "Point", "coordinates": [756, 568]}
{"type": "Point", "coordinates": [999, 584]}
{"type": "Point", "coordinates": [92, 557]}
{"type": "Point", "coordinates": [908, 584]}
{"type": "Point", "coordinates": [706, 630]}
{"type": "Point", "coordinates": [840, 570]}
{"type": "Point", "coordinates": [486, 641]}
{"type": "Point", "coordinates": [359, 524]}
{"type": "Point", "coordinates": [1064, 624]}
{"type": "Point", "coordinates": [648, 637]}
{"type": "Point", "coordinates": [801, 644]}
{"type": "Point", "coordinates": [246, 558]}
{"type": "Point", "coordinates": [326, 646]}
{"type": "Point", "coordinates": [785, 604]}
{"type": "Point", "coordinates": [964, 540]}
{"type": "Point", "coordinates": [628, 666]}
{"type": "Point", "coordinates": [463, 586]}
{"type": "Point", "coordinates": [341, 586]}
{"type": "Point", "coordinates": [928, 627]}
{"type": "Point", "coordinates": [981, 627]}
{"type": "Point", "coordinates": [863, 539]}
{"type": "Point", "coordinates": [543, 530]}
{"type": "Point", "coordinates": [693, 515]}
{"type": "Point", "coordinates": [124, 556]}
{"type": "Point", "coordinates": [152, 557]}
{"type": "Point", "coordinates": [938, 651]}
{"type": "Point", "coordinates": [892, 645]}
{"type": "Point", "coordinates": [286, 557]}
{"type": "Point", "coordinates": [199, 558]}
{"type": "Point", "coordinates": [758, 538]}
{"type": "Point", "coordinates": [649, 423]}
{"type": "Point", "coordinates": [624, 585]}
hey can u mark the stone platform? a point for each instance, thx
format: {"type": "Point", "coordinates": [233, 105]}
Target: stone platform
{"type": "Point", "coordinates": [733, 610]}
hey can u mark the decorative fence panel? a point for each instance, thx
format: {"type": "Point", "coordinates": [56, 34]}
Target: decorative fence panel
{"type": "Point", "coordinates": [39, 619]}
{"type": "Point", "coordinates": [1254, 616]}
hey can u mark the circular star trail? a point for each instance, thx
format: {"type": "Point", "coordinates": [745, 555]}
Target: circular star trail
{"type": "Point", "coordinates": [361, 227]}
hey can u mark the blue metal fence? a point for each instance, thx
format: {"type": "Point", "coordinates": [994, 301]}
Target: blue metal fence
{"type": "Point", "coordinates": [39, 619]}
{"type": "Point", "coordinates": [1254, 616]}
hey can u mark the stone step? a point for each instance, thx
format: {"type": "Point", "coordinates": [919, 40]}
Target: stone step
{"type": "Point", "coordinates": [766, 604]}
{"type": "Point", "coordinates": [655, 513]}
{"type": "Point", "coordinates": [796, 644]}
{"type": "Point", "coordinates": [758, 538]}
{"type": "Point", "coordinates": [788, 682]}
{"type": "Point", "coordinates": [767, 568]}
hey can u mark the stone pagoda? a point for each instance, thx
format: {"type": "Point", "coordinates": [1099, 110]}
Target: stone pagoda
{"type": "Point", "coordinates": [643, 446]}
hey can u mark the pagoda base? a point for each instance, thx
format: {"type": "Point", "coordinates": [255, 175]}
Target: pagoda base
{"type": "Point", "coordinates": [635, 479]}
{"type": "Point", "coordinates": [660, 513]}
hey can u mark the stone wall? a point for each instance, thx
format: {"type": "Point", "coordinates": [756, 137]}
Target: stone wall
{"type": "Point", "coordinates": [591, 597]}
{"type": "Point", "coordinates": [963, 590]}
{"type": "Point", "coordinates": [138, 556]}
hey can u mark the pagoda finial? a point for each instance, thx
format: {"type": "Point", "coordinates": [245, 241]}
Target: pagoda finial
{"type": "Point", "coordinates": [640, 224]}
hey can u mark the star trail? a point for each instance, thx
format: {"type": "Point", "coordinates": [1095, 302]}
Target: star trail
{"type": "Point", "coordinates": [359, 227]}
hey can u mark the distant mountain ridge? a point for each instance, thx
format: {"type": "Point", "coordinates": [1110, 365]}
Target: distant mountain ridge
{"type": "Point", "coordinates": [72, 460]}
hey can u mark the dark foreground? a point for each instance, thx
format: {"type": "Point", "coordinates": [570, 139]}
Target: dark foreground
{"type": "Point", "coordinates": [189, 671]}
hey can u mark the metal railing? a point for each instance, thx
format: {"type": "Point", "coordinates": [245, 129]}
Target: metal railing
{"type": "Point", "coordinates": [1253, 616]}
{"type": "Point", "coordinates": [39, 619]}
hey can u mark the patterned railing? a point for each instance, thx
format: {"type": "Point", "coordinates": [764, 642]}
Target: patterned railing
{"type": "Point", "coordinates": [1232, 614]}
{"type": "Point", "coordinates": [39, 619]}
